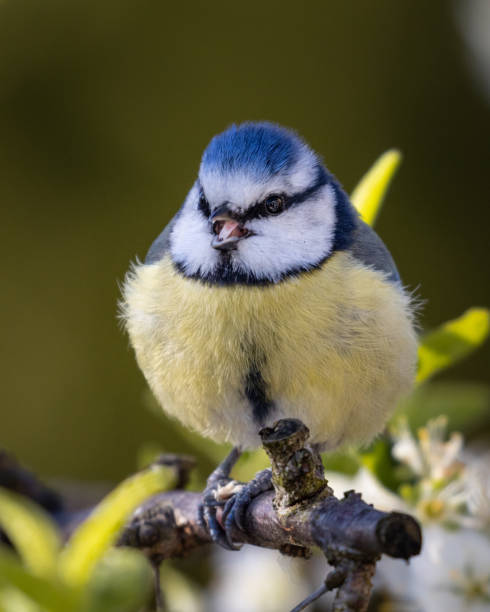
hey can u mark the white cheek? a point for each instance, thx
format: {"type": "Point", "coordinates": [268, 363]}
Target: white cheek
{"type": "Point", "coordinates": [190, 240]}
{"type": "Point", "coordinates": [300, 237]}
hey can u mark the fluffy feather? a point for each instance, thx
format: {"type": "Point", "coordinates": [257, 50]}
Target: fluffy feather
{"type": "Point", "coordinates": [336, 348]}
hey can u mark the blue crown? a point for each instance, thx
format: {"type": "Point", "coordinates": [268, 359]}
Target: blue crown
{"type": "Point", "coordinates": [260, 149]}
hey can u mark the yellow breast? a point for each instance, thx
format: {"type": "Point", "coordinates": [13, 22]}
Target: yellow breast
{"type": "Point", "coordinates": [335, 347]}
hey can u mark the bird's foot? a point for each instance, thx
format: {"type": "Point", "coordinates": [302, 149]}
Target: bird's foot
{"type": "Point", "coordinates": [216, 494]}
{"type": "Point", "coordinates": [219, 488]}
{"type": "Point", "coordinates": [234, 497]}
{"type": "Point", "coordinates": [235, 508]}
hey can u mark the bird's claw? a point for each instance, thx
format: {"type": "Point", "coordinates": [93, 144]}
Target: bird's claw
{"type": "Point", "coordinates": [233, 514]}
{"type": "Point", "coordinates": [234, 498]}
{"type": "Point", "coordinates": [216, 495]}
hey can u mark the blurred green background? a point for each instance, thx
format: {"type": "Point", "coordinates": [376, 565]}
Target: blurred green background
{"type": "Point", "coordinates": [105, 108]}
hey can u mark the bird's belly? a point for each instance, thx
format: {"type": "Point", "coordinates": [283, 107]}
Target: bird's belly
{"type": "Point", "coordinates": [334, 347]}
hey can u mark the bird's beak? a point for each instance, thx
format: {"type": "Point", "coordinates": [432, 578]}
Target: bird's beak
{"type": "Point", "coordinates": [228, 232]}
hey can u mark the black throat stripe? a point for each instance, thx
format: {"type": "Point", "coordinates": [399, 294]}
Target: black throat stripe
{"type": "Point", "coordinates": [256, 393]}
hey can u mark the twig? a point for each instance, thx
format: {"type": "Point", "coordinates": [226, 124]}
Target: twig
{"type": "Point", "coordinates": [159, 598]}
{"type": "Point", "coordinates": [311, 598]}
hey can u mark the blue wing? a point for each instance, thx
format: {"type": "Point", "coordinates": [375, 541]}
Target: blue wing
{"type": "Point", "coordinates": [368, 248]}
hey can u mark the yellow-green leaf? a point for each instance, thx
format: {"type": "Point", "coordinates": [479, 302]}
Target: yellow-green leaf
{"type": "Point", "coordinates": [181, 593]}
{"type": "Point", "coordinates": [368, 196]}
{"type": "Point", "coordinates": [344, 462]}
{"type": "Point", "coordinates": [378, 460]}
{"type": "Point", "coordinates": [250, 463]}
{"type": "Point", "coordinates": [122, 583]}
{"type": "Point", "coordinates": [48, 593]}
{"type": "Point", "coordinates": [452, 341]}
{"type": "Point", "coordinates": [466, 405]}
{"type": "Point", "coordinates": [14, 600]}
{"type": "Point", "coordinates": [98, 532]}
{"type": "Point", "coordinates": [31, 531]}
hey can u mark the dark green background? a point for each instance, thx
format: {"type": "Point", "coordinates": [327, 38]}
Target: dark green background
{"type": "Point", "coordinates": [105, 108]}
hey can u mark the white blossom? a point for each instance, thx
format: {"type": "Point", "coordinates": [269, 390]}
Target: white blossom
{"type": "Point", "coordinates": [449, 489]}
{"type": "Point", "coordinates": [257, 580]}
{"type": "Point", "coordinates": [429, 456]}
{"type": "Point", "coordinates": [478, 486]}
{"type": "Point", "coordinates": [372, 491]}
{"type": "Point", "coordinates": [453, 571]}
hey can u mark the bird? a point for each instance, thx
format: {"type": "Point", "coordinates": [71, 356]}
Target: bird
{"type": "Point", "coordinates": [268, 297]}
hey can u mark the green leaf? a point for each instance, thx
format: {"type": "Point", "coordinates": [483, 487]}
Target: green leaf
{"type": "Point", "coordinates": [180, 592]}
{"type": "Point", "coordinates": [31, 531]}
{"type": "Point", "coordinates": [378, 460]}
{"type": "Point", "coordinates": [410, 493]}
{"type": "Point", "coordinates": [451, 342]}
{"type": "Point", "coordinates": [96, 534]}
{"type": "Point", "coordinates": [122, 583]}
{"type": "Point", "coordinates": [368, 196]}
{"type": "Point", "coordinates": [250, 463]}
{"type": "Point", "coordinates": [14, 600]}
{"type": "Point", "coordinates": [51, 595]}
{"type": "Point", "coordinates": [343, 462]}
{"type": "Point", "coordinates": [466, 405]}
{"type": "Point", "coordinates": [148, 453]}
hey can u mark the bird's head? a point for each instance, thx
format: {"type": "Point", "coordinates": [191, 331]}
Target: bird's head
{"type": "Point", "coordinates": [263, 208]}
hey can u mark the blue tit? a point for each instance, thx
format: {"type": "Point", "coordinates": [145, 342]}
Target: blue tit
{"type": "Point", "coordinates": [267, 297]}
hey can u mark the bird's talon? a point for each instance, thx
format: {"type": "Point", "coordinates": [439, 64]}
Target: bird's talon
{"type": "Point", "coordinates": [236, 507]}
{"type": "Point", "coordinates": [219, 493]}
{"type": "Point", "coordinates": [213, 503]}
{"type": "Point", "coordinates": [240, 511]}
{"type": "Point", "coordinates": [228, 507]}
{"type": "Point", "coordinates": [217, 533]}
{"type": "Point", "coordinates": [229, 524]}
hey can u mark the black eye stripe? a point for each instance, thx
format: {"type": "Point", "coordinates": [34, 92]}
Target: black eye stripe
{"type": "Point", "coordinates": [259, 210]}
{"type": "Point", "coordinates": [203, 204]}
{"type": "Point", "coordinates": [321, 180]}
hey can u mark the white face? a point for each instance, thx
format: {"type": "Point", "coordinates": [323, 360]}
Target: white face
{"type": "Point", "coordinates": [298, 238]}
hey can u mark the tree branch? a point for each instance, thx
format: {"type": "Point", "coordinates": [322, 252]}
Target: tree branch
{"type": "Point", "coordinates": [300, 513]}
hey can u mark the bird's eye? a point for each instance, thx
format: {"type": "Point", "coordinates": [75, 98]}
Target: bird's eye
{"type": "Point", "coordinates": [274, 204]}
